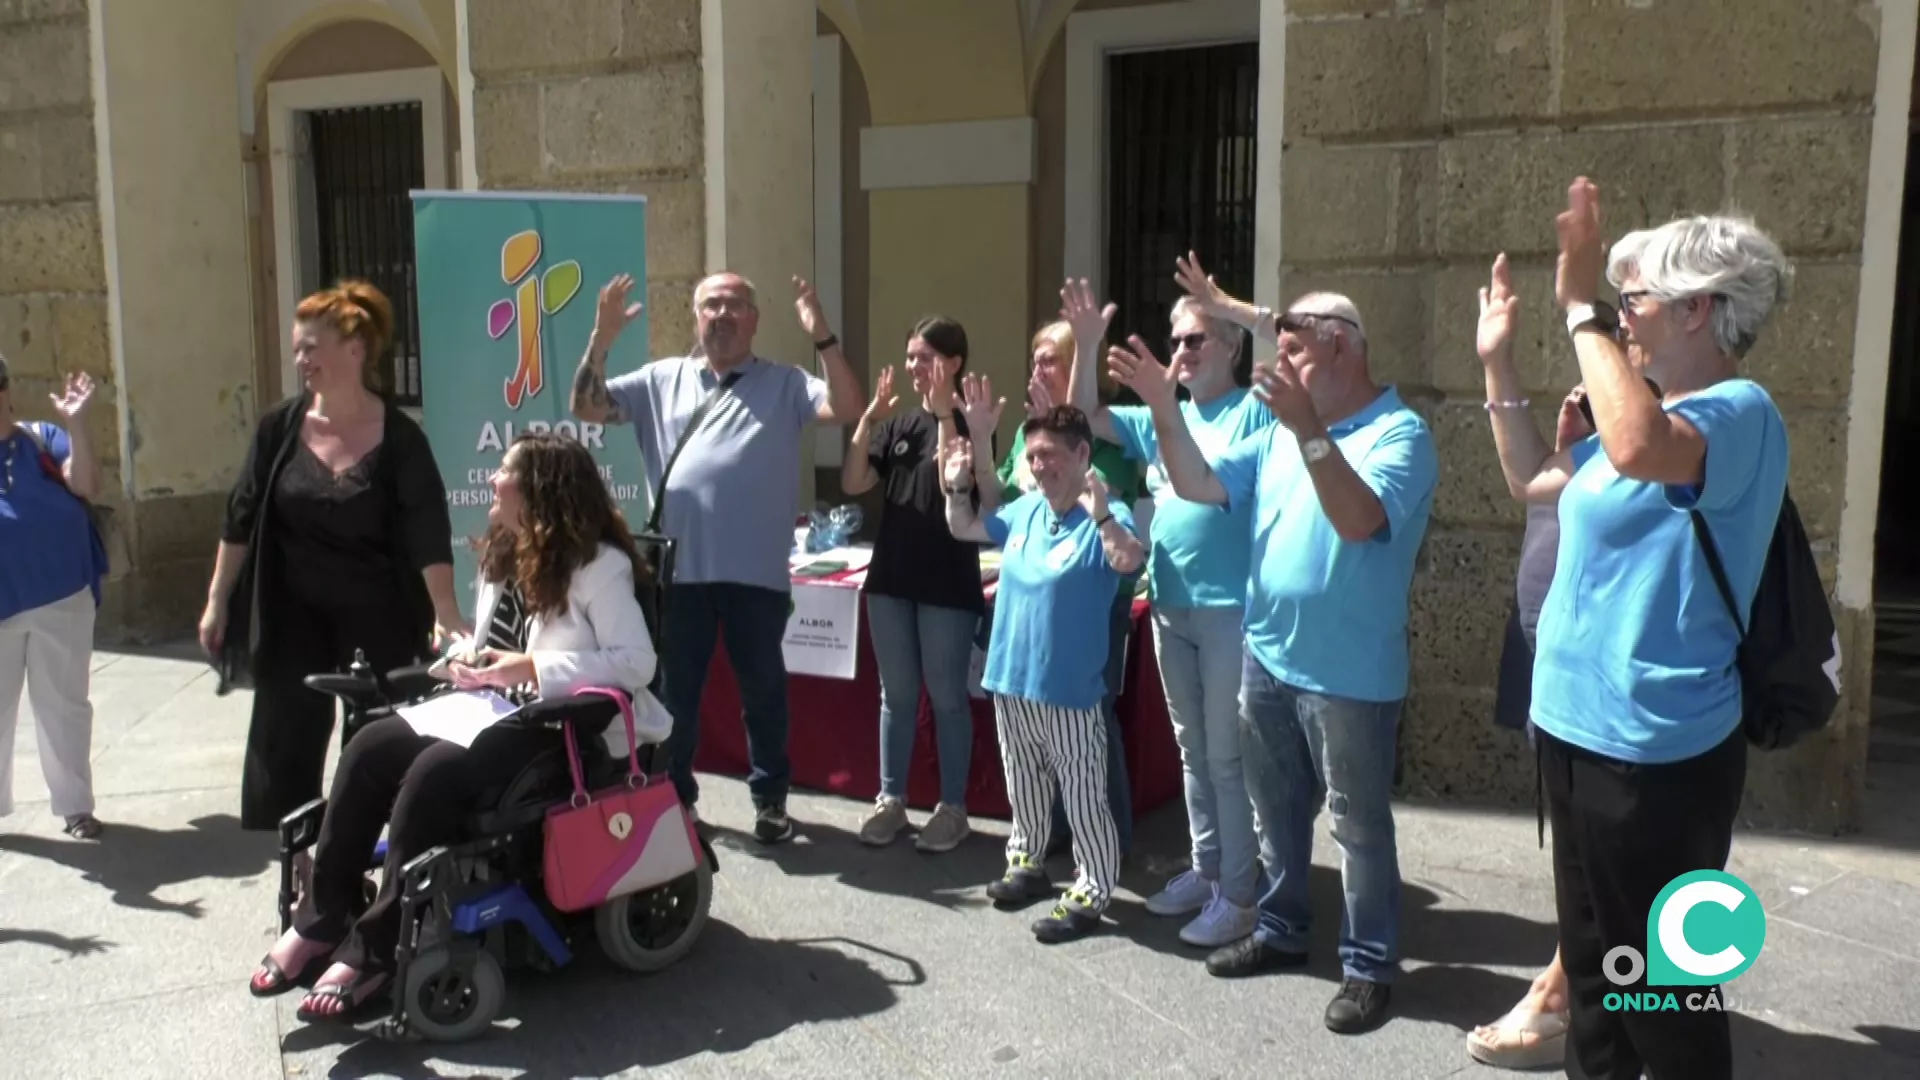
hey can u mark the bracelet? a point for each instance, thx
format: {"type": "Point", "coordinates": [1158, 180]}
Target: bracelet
{"type": "Point", "coordinates": [1521, 404]}
{"type": "Point", "coordinates": [953, 492]}
{"type": "Point", "coordinates": [947, 416]}
{"type": "Point", "coordinates": [1102, 523]}
{"type": "Point", "coordinates": [826, 343]}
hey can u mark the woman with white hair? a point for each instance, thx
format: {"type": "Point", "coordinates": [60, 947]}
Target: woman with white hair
{"type": "Point", "coordinates": [1636, 693]}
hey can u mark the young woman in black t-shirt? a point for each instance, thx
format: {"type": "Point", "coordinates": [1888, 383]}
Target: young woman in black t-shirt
{"type": "Point", "coordinates": [923, 594]}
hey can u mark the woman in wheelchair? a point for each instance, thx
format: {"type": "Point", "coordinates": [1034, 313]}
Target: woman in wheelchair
{"type": "Point", "coordinates": [557, 611]}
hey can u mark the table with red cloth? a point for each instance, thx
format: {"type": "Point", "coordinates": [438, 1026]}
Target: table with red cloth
{"type": "Point", "coordinates": [833, 736]}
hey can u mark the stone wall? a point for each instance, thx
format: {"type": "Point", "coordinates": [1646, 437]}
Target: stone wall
{"type": "Point", "coordinates": [53, 287]}
{"type": "Point", "coordinates": [601, 95]}
{"type": "Point", "coordinates": [1425, 137]}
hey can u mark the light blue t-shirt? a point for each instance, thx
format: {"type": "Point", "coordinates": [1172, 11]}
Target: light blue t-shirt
{"type": "Point", "coordinates": [735, 489]}
{"type": "Point", "coordinates": [1325, 614]}
{"type": "Point", "coordinates": [1636, 648]}
{"type": "Point", "coordinates": [1049, 640]}
{"type": "Point", "coordinates": [46, 541]}
{"type": "Point", "coordinates": [1201, 553]}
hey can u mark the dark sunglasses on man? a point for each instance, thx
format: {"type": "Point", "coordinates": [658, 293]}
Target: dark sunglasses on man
{"type": "Point", "coordinates": [1299, 322]}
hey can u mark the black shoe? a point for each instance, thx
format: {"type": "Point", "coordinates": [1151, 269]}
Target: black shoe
{"type": "Point", "coordinates": [1359, 1006]}
{"type": "Point", "coordinates": [1022, 884]}
{"type": "Point", "coordinates": [772, 825]}
{"type": "Point", "coordinates": [1065, 923]}
{"type": "Point", "coordinates": [1249, 956]}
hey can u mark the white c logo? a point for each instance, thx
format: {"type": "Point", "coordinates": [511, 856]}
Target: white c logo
{"type": "Point", "coordinates": [1673, 936]}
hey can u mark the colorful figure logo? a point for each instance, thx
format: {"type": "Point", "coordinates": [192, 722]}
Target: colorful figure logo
{"type": "Point", "coordinates": [534, 297]}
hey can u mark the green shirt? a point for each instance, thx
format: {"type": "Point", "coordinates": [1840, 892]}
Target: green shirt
{"type": "Point", "coordinates": [1123, 476]}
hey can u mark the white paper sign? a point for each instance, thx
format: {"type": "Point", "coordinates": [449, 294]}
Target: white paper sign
{"type": "Point", "coordinates": [458, 717]}
{"type": "Point", "coordinates": [823, 632]}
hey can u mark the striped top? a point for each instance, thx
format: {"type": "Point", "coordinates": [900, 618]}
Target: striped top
{"type": "Point", "coordinates": [508, 633]}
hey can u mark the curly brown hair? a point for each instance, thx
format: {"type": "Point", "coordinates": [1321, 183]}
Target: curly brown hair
{"type": "Point", "coordinates": [566, 515]}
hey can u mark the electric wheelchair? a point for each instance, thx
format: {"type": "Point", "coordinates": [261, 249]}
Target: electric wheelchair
{"type": "Point", "coordinates": [475, 908]}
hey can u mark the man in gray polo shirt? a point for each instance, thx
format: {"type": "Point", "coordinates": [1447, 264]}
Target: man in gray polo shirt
{"type": "Point", "coordinates": [730, 503]}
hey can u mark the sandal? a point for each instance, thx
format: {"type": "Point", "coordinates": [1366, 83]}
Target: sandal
{"type": "Point", "coordinates": [1522, 1039]}
{"type": "Point", "coordinates": [84, 827]}
{"type": "Point", "coordinates": [277, 981]}
{"type": "Point", "coordinates": [353, 996]}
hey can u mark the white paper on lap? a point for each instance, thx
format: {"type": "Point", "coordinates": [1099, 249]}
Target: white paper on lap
{"type": "Point", "coordinates": [458, 717]}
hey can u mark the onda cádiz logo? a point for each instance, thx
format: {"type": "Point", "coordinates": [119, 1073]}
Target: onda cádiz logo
{"type": "Point", "coordinates": [1706, 928]}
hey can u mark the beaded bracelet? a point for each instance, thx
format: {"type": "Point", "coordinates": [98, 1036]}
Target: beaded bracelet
{"type": "Point", "coordinates": [1521, 404]}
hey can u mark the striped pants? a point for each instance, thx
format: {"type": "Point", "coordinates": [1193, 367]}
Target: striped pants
{"type": "Point", "coordinates": [1044, 745]}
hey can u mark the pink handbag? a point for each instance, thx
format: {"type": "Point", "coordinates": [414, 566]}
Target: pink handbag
{"type": "Point", "coordinates": [619, 840]}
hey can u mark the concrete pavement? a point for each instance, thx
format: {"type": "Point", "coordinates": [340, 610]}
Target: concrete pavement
{"type": "Point", "coordinates": [127, 957]}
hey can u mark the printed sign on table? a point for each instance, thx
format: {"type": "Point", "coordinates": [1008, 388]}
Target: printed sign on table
{"type": "Point", "coordinates": [507, 285]}
{"type": "Point", "coordinates": [823, 632]}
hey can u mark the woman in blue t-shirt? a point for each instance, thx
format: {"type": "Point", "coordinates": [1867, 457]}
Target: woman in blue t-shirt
{"type": "Point", "coordinates": [1636, 692]}
{"type": "Point", "coordinates": [51, 566]}
{"type": "Point", "coordinates": [1065, 552]}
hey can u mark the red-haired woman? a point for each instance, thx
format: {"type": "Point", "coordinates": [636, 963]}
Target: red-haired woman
{"type": "Point", "coordinates": [336, 538]}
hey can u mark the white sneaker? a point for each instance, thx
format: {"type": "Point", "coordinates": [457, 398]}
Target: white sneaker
{"type": "Point", "coordinates": [889, 816]}
{"type": "Point", "coordinates": [1221, 922]}
{"type": "Point", "coordinates": [1184, 895]}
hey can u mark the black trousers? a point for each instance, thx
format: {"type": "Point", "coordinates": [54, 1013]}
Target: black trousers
{"type": "Point", "coordinates": [291, 725]}
{"type": "Point", "coordinates": [421, 785]}
{"type": "Point", "coordinates": [1621, 832]}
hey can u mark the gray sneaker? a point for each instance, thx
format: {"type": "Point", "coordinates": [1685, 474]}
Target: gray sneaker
{"type": "Point", "coordinates": [944, 830]}
{"type": "Point", "coordinates": [888, 818]}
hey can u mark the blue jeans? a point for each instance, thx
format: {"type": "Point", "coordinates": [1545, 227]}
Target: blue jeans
{"type": "Point", "coordinates": [1296, 744]}
{"type": "Point", "coordinates": [755, 623]}
{"type": "Point", "coordinates": [1119, 787]}
{"type": "Point", "coordinates": [917, 643]}
{"type": "Point", "coordinates": [1200, 653]}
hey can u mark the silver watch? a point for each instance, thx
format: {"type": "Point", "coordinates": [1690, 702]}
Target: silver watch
{"type": "Point", "coordinates": [1316, 449]}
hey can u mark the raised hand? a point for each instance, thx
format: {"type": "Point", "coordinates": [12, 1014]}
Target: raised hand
{"type": "Point", "coordinates": [1499, 315]}
{"type": "Point", "coordinates": [1200, 285]}
{"type": "Point", "coordinates": [957, 463]}
{"type": "Point", "coordinates": [884, 400]}
{"type": "Point", "coordinates": [1094, 499]}
{"type": "Point", "coordinates": [1572, 424]}
{"type": "Point", "coordinates": [1285, 393]}
{"type": "Point", "coordinates": [1039, 396]}
{"type": "Point", "coordinates": [1088, 319]}
{"type": "Point", "coordinates": [73, 401]}
{"type": "Point", "coordinates": [1583, 251]}
{"type": "Point", "coordinates": [979, 407]}
{"type": "Point", "coordinates": [1134, 366]}
{"type": "Point", "coordinates": [613, 314]}
{"type": "Point", "coordinates": [806, 304]}
{"type": "Point", "coordinates": [939, 397]}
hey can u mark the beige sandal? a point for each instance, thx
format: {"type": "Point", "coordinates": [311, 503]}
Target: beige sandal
{"type": "Point", "coordinates": [1522, 1039]}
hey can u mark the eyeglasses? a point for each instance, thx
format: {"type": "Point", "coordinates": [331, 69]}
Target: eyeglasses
{"type": "Point", "coordinates": [1630, 300]}
{"type": "Point", "coordinates": [1297, 321]}
{"type": "Point", "coordinates": [1191, 341]}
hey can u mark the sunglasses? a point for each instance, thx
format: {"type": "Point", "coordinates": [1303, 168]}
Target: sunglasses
{"type": "Point", "coordinates": [1297, 322]}
{"type": "Point", "coordinates": [1191, 341]}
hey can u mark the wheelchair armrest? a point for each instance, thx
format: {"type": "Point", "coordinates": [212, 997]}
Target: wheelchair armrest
{"type": "Point", "coordinates": [360, 690]}
{"type": "Point", "coordinates": [412, 682]}
{"type": "Point", "coordinates": [594, 711]}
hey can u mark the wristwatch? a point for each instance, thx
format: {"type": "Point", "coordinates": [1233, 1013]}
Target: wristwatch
{"type": "Point", "coordinates": [826, 343]}
{"type": "Point", "coordinates": [1316, 449]}
{"type": "Point", "coordinates": [1598, 316]}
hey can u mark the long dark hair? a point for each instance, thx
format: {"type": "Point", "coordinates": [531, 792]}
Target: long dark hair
{"type": "Point", "coordinates": [566, 515]}
{"type": "Point", "coordinates": [946, 337]}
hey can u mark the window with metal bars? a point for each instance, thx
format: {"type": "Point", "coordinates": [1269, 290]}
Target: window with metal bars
{"type": "Point", "coordinates": [365, 160]}
{"type": "Point", "coordinates": [1181, 126]}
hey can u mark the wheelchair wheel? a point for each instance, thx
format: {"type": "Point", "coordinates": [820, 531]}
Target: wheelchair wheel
{"type": "Point", "coordinates": [452, 999]}
{"type": "Point", "coordinates": [648, 931]}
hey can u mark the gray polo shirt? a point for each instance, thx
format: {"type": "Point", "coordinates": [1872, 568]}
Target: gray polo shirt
{"type": "Point", "coordinates": [735, 490]}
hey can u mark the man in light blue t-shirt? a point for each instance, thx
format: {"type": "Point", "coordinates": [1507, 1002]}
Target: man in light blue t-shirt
{"type": "Point", "coordinates": [1340, 493]}
{"type": "Point", "coordinates": [729, 503]}
{"type": "Point", "coordinates": [1197, 569]}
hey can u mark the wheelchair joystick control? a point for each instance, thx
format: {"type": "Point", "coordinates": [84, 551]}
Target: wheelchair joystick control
{"type": "Point", "coordinates": [360, 669]}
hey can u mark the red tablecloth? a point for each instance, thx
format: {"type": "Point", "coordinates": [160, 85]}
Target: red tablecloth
{"type": "Point", "coordinates": [834, 737]}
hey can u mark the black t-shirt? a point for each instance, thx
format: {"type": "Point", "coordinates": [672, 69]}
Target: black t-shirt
{"type": "Point", "coordinates": [335, 533]}
{"type": "Point", "coordinates": [915, 556]}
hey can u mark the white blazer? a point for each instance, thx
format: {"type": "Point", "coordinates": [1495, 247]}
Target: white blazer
{"type": "Point", "coordinates": [600, 640]}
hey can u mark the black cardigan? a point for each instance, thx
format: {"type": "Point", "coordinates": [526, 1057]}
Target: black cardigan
{"type": "Point", "coordinates": [405, 470]}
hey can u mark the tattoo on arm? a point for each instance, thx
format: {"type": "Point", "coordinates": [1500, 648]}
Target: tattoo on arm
{"type": "Point", "coordinates": [590, 388]}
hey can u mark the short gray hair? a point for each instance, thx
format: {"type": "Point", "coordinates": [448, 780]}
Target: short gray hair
{"type": "Point", "coordinates": [1723, 257]}
{"type": "Point", "coordinates": [753, 294]}
{"type": "Point", "coordinates": [1338, 307]}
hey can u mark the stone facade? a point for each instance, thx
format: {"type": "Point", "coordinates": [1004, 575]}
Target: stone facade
{"type": "Point", "coordinates": [592, 95]}
{"type": "Point", "coordinates": [53, 286]}
{"type": "Point", "coordinates": [1423, 138]}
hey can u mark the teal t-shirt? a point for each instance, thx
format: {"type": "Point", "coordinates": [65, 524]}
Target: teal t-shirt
{"type": "Point", "coordinates": [1201, 554]}
{"type": "Point", "coordinates": [1050, 618]}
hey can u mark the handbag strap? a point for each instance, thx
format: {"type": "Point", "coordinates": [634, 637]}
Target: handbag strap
{"type": "Point", "coordinates": [699, 417]}
{"type": "Point", "coordinates": [1718, 570]}
{"type": "Point", "coordinates": [622, 699]}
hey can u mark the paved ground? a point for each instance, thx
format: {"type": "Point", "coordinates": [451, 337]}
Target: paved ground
{"type": "Point", "coordinates": [126, 958]}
